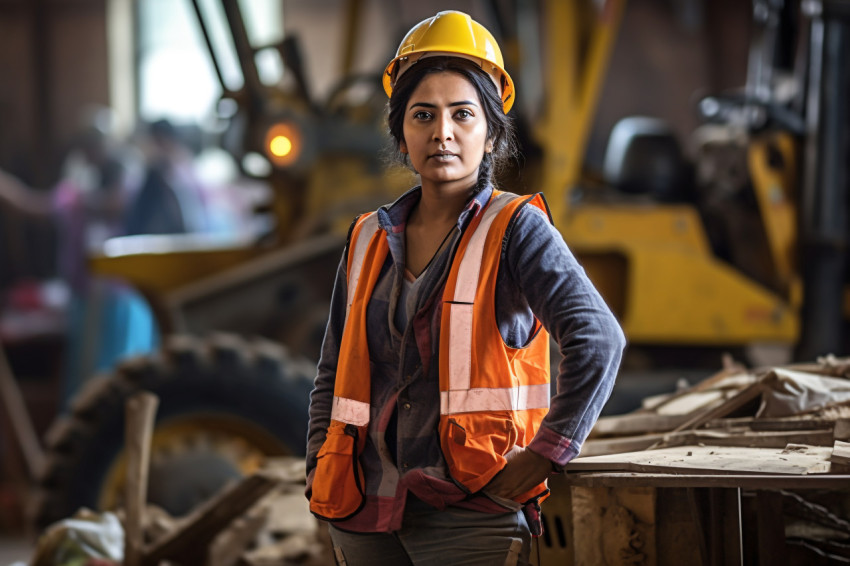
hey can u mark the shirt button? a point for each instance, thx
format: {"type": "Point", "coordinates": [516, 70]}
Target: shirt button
{"type": "Point", "coordinates": [406, 406]}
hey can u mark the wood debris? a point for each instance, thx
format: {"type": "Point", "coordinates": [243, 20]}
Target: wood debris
{"type": "Point", "coordinates": [755, 410]}
{"type": "Point", "coordinates": [841, 454]}
{"type": "Point", "coordinates": [745, 458]}
{"type": "Point", "coordinates": [263, 519]}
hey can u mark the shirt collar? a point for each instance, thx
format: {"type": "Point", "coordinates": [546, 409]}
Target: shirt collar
{"type": "Point", "coordinates": [393, 217]}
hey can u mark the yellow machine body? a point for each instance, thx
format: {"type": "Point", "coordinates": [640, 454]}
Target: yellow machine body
{"type": "Point", "coordinates": [652, 261]}
{"type": "Point", "coordinates": [656, 270]}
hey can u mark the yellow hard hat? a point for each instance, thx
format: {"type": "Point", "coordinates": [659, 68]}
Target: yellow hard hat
{"type": "Point", "coordinates": [455, 34]}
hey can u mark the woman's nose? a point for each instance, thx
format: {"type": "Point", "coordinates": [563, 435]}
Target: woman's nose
{"type": "Point", "coordinates": [443, 129]}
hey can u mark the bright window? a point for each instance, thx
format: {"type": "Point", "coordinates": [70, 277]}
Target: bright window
{"type": "Point", "coordinates": [177, 79]}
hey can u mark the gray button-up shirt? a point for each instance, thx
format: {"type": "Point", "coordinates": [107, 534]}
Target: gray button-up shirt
{"type": "Point", "coordinates": [538, 277]}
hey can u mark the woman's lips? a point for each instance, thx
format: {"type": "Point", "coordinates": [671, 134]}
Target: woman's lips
{"type": "Point", "coordinates": [444, 156]}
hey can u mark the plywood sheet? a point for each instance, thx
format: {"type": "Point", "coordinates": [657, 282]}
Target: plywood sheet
{"type": "Point", "coordinates": [794, 459]}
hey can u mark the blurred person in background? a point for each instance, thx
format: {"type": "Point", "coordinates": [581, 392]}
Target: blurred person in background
{"type": "Point", "coordinates": [106, 319]}
{"type": "Point", "coordinates": [172, 199]}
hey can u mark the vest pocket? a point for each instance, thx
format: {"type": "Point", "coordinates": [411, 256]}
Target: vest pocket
{"type": "Point", "coordinates": [338, 484]}
{"type": "Point", "coordinates": [474, 446]}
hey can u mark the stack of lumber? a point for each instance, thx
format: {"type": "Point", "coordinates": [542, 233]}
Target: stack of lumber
{"type": "Point", "coordinates": [782, 420]}
{"type": "Point", "coordinates": [747, 466]}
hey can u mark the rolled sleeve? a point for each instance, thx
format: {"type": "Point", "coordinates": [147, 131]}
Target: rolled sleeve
{"type": "Point", "coordinates": [541, 267]}
{"type": "Point", "coordinates": [321, 398]}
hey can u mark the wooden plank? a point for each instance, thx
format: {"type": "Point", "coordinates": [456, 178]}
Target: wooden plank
{"type": "Point", "coordinates": [693, 402]}
{"type": "Point", "coordinates": [741, 436]}
{"type": "Point", "coordinates": [787, 423]}
{"type": "Point", "coordinates": [770, 526]}
{"type": "Point", "coordinates": [744, 481]}
{"type": "Point", "coordinates": [831, 367]}
{"type": "Point", "coordinates": [841, 453]}
{"type": "Point", "coordinates": [617, 445]}
{"type": "Point", "coordinates": [614, 526]}
{"type": "Point", "coordinates": [703, 386]}
{"type": "Point", "coordinates": [140, 415]}
{"type": "Point", "coordinates": [16, 411]}
{"type": "Point", "coordinates": [833, 411]}
{"type": "Point", "coordinates": [727, 547]}
{"type": "Point", "coordinates": [841, 431]}
{"type": "Point", "coordinates": [726, 408]}
{"type": "Point", "coordinates": [636, 423]}
{"type": "Point", "coordinates": [795, 459]}
{"type": "Point", "coordinates": [754, 439]}
{"type": "Point", "coordinates": [189, 541]}
{"type": "Point", "coordinates": [227, 548]}
{"type": "Point", "coordinates": [679, 534]}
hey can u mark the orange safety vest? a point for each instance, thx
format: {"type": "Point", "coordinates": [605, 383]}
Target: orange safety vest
{"type": "Point", "coordinates": [492, 397]}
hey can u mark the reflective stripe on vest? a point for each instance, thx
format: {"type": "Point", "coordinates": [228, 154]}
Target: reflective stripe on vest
{"type": "Point", "coordinates": [350, 411]}
{"type": "Point", "coordinates": [460, 398]}
{"type": "Point", "coordinates": [493, 396]}
{"type": "Point", "coordinates": [518, 398]}
{"type": "Point", "coordinates": [361, 236]}
{"type": "Point", "coordinates": [346, 410]}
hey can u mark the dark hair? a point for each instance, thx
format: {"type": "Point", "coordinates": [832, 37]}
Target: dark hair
{"type": "Point", "coordinates": [499, 126]}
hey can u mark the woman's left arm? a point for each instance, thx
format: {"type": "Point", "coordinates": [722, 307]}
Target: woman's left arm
{"type": "Point", "coordinates": [539, 269]}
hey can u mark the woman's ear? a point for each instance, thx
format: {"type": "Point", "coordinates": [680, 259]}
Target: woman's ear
{"type": "Point", "coordinates": [488, 147]}
{"type": "Point", "coordinates": [402, 147]}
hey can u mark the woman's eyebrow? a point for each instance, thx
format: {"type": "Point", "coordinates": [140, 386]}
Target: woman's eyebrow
{"type": "Point", "coordinates": [430, 105]}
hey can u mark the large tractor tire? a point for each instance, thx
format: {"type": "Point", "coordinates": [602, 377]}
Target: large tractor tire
{"type": "Point", "coordinates": [225, 404]}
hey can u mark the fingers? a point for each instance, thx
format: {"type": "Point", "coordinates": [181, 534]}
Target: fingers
{"type": "Point", "coordinates": [524, 470]}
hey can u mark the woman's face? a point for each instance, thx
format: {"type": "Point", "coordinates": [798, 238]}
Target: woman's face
{"type": "Point", "coordinates": [445, 131]}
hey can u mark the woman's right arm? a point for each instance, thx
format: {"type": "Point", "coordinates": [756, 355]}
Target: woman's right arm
{"type": "Point", "coordinates": [321, 398]}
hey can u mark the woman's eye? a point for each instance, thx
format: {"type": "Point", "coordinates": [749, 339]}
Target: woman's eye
{"type": "Point", "coordinates": [422, 115]}
{"type": "Point", "coordinates": [463, 114]}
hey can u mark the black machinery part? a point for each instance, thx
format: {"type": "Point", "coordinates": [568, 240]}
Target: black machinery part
{"type": "Point", "coordinates": [644, 157]}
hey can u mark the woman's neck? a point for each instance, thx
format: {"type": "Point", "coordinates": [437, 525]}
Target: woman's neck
{"type": "Point", "coordinates": [442, 204]}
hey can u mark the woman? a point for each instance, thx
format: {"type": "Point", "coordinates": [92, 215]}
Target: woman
{"type": "Point", "coordinates": [429, 438]}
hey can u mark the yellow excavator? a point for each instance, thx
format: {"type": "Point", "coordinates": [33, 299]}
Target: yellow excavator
{"type": "Point", "coordinates": [244, 322]}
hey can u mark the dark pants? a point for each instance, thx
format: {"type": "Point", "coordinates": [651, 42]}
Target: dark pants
{"type": "Point", "coordinates": [428, 537]}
